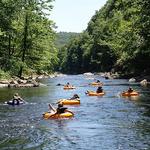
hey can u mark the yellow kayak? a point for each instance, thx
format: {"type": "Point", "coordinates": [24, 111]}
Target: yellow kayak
{"type": "Point", "coordinates": [69, 102]}
{"type": "Point", "coordinates": [92, 93]}
{"type": "Point", "coordinates": [67, 114]}
{"type": "Point", "coordinates": [96, 83]}
{"type": "Point", "coordinates": [69, 87]}
{"type": "Point", "coordinates": [134, 93]}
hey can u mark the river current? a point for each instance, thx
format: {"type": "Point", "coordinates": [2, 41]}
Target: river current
{"type": "Point", "coordinates": [110, 122]}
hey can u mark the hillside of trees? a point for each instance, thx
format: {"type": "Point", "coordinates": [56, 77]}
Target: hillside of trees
{"type": "Point", "coordinates": [63, 38]}
{"type": "Point", "coordinates": [117, 38]}
{"type": "Point", "coordinates": [26, 37]}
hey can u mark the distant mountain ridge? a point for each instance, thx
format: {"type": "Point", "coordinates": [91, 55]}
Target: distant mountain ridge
{"type": "Point", "coordinates": [63, 38]}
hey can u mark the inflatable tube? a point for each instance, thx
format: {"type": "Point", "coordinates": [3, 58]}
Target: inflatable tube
{"type": "Point", "coordinates": [134, 93]}
{"type": "Point", "coordinates": [69, 87]}
{"type": "Point", "coordinates": [67, 114]}
{"type": "Point", "coordinates": [69, 102]}
{"type": "Point", "coordinates": [91, 93]}
{"type": "Point", "coordinates": [15, 103]}
{"type": "Point", "coordinates": [96, 83]}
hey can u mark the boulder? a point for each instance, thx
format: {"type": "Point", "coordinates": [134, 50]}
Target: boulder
{"type": "Point", "coordinates": [3, 85]}
{"type": "Point", "coordinates": [4, 82]}
{"type": "Point", "coordinates": [88, 74]}
{"type": "Point", "coordinates": [13, 82]}
{"type": "Point", "coordinates": [22, 81]}
{"type": "Point", "coordinates": [132, 80]}
{"type": "Point", "coordinates": [144, 82]}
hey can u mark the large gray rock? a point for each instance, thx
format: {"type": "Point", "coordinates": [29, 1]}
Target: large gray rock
{"type": "Point", "coordinates": [13, 82]}
{"type": "Point", "coordinates": [3, 85]}
{"type": "Point", "coordinates": [132, 80]}
{"type": "Point", "coordinates": [4, 81]}
{"type": "Point", "coordinates": [22, 81]}
{"type": "Point", "coordinates": [144, 82]}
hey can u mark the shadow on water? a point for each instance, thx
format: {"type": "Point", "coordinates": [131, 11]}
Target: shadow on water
{"type": "Point", "coordinates": [109, 122]}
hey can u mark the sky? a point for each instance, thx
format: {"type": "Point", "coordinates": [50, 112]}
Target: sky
{"type": "Point", "coordinates": [74, 15]}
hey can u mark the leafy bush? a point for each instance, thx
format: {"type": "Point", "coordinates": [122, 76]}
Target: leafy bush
{"type": "Point", "coordinates": [4, 75]}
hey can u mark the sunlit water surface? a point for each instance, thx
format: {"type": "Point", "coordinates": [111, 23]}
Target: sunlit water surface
{"type": "Point", "coordinates": [110, 122]}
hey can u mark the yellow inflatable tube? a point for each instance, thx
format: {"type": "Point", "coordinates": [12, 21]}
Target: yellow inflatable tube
{"type": "Point", "coordinates": [134, 93]}
{"type": "Point", "coordinates": [67, 114]}
{"type": "Point", "coordinates": [69, 102]}
{"type": "Point", "coordinates": [92, 93]}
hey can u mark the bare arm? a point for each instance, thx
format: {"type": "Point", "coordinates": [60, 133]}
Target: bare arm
{"type": "Point", "coordinates": [52, 108]}
{"type": "Point", "coordinates": [69, 111]}
{"type": "Point", "coordinates": [21, 99]}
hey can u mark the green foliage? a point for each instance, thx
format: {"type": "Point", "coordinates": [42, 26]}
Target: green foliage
{"type": "Point", "coordinates": [117, 37]}
{"type": "Point", "coordinates": [26, 37]}
{"type": "Point", "coordinates": [62, 38]}
{"type": "Point", "coordinates": [4, 75]}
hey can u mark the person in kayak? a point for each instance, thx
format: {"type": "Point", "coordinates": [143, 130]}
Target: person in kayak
{"type": "Point", "coordinates": [75, 96]}
{"type": "Point", "coordinates": [68, 84]}
{"type": "Point", "coordinates": [97, 81]}
{"type": "Point", "coordinates": [17, 99]}
{"type": "Point", "coordinates": [99, 90]}
{"type": "Point", "coordinates": [130, 90]}
{"type": "Point", "coordinates": [60, 109]}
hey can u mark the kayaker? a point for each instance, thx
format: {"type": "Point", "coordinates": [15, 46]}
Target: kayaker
{"type": "Point", "coordinates": [75, 96]}
{"type": "Point", "coordinates": [60, 109]}
{"type": "Point", "coordinates": [17, 99]}
{"type": "Point", "coordinates": [99, 90]}
{"type": "Point", "coordinates": [97, 81]}
{"type": "Point", "coordinates": [130, 90]}
{"type": "Point", "coordinates": [68, 84]}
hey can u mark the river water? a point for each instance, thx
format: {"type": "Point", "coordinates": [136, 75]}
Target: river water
{"type": "Point", "coordinates": [110, 122]}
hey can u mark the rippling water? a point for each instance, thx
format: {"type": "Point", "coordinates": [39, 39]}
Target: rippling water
{"type": "Point", "coordinates": [110, 122]}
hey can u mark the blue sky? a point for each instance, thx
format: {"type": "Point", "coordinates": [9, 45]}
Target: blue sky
{"type": "Point", "coordinates": [74, 15]}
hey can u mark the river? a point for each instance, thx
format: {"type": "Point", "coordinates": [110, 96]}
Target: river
{"type": "Point", "coordinates": [110, 122]}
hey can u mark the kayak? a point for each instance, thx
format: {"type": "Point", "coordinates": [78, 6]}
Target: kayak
{"type": "Point", "coordinates": [69, 102]}
{"type": "Point", "coordinates": [96, 83]}
{"type": "Point", "coordinates": [92, 93]}
{"type": "Point", "coordinates": [66, 114]}
{"type": "Point", "coordinates": [134, 93]}
{"type": "Point", "coordinates": [15, 103]}
{"type": "Point", "coordinates": [69, 87]}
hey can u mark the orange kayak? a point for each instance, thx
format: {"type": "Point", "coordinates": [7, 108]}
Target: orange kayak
{"type": "Point", "coordinates": [69, 87]}
{"type": "Point", "coordinates": [69, 102]}
{"type": "Point", "coordinates": [134, 93]}
{"type": "Point", "coordinates": [67, 114]}
{"type": "Point", "coordinates": [92, 93]}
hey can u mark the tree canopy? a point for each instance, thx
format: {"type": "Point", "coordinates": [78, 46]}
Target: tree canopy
{"type": "Point", "coordinates": [117, 38]}
{"type": "Point", "coordinates": [26, 37]}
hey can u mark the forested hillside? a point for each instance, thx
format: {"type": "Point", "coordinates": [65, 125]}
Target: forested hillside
{"type": "Point", "coordinates": [26, 37]}
{"type": "Point", "coordinates": [117, 37]}
{"type": "Point", "coordinates": [63, 38]}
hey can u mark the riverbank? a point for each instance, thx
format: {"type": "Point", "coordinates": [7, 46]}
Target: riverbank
{"type": "Point", "coordinates": [142, 79]}
{"type": "Point", "coordinates": [137, 77]}
{"type": "Point", "coordinates": [27, 81]}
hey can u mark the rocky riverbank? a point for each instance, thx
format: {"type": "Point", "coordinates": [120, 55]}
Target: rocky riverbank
{"type": "Point", "coordinates": [140, 79]}
{"type": "Point", "coordinates": [32, 81]}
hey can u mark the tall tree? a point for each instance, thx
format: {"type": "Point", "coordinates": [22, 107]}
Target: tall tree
{"type": "Point", "coordinates": [26, 36]}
